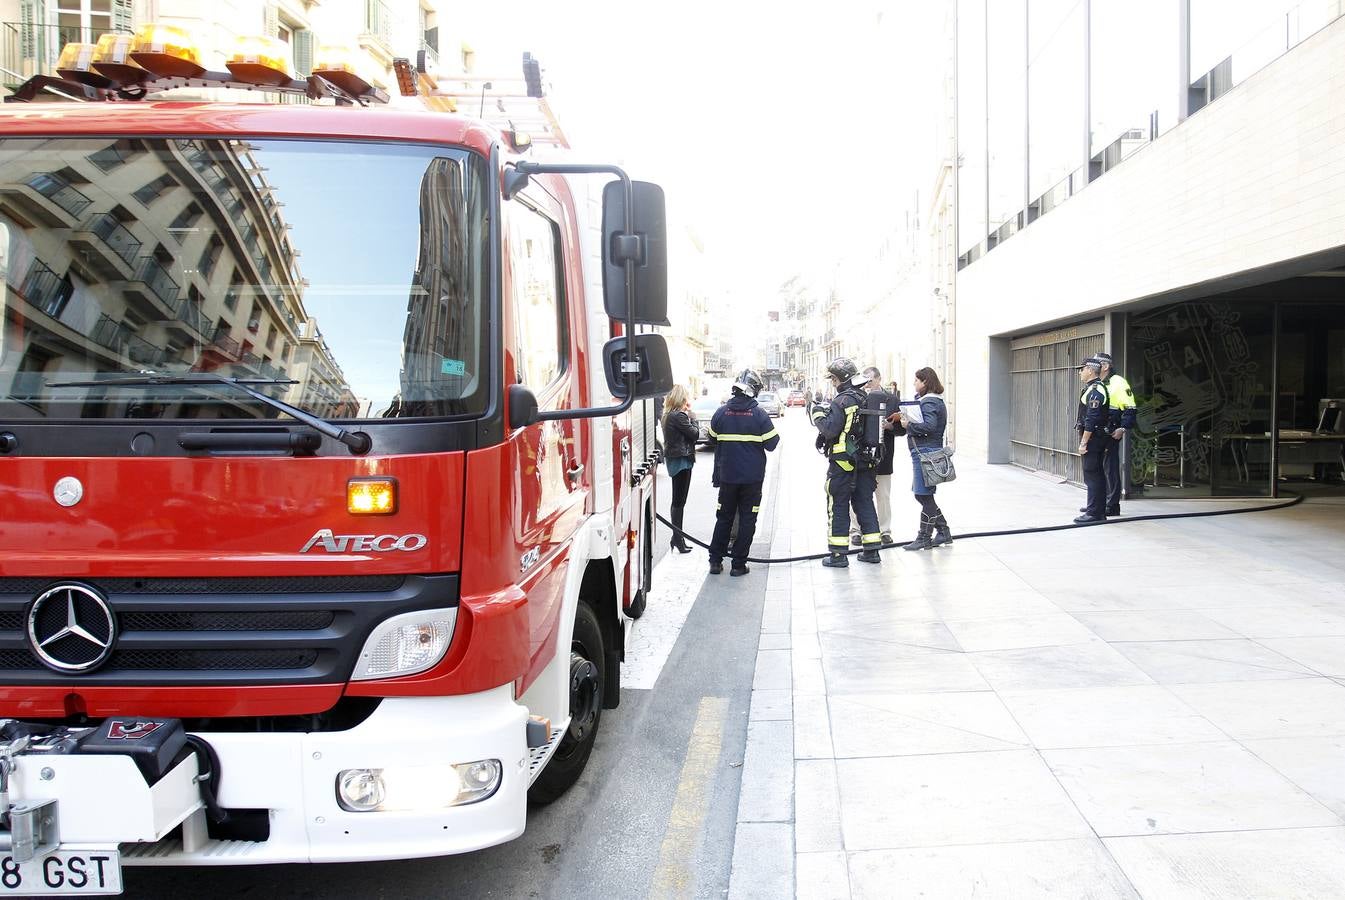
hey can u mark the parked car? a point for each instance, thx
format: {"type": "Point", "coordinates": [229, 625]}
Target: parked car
{"type": "Point", "coordinates": [703, 408]}
{"type": "Point", "coordinates": [770, 402]}
{"type": "Point", "coordinates": [796, 398]}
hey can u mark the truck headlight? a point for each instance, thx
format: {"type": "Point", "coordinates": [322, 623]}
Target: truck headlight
{"type": "Point", "coordinates": [406, 644]}
{"type": "Point", "coordinates": [417, 787]}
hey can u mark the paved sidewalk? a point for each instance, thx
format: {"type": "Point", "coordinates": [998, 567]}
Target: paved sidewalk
{"type": "Point", "coordinates": [1154, 709]}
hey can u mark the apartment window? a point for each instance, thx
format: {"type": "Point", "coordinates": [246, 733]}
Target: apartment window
{"type": "Point", "coordinates": [155, 189]}
{"type": "Point", "coordinates": [186, 219]}
{"type": "Point", "coordinates": [271, 339]}
{"type": "Point", "coordinates": [234, 292]}
{"type": "Point", "coordinates": [113, 155]}
{"type": "Point", "coordinates": [254, 318]}
{"type": "Point", "coordinates": [210, 258]}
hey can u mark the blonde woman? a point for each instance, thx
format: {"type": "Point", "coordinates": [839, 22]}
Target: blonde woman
{"type": "Point", "coordinates": [679, 449]}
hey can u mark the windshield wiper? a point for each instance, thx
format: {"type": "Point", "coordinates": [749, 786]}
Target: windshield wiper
{"type": "Point", "coordinates": [357, 442]}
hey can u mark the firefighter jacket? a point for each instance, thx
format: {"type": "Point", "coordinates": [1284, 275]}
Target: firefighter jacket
{"type": "Point", "coordinates": [1094, 407]}
{"type": "Point", "coordinates": [1122, 401]}
{"type": "Point", "coordinates": [742, 433]}
{"type": "Point", "coordinates": [840, 427]}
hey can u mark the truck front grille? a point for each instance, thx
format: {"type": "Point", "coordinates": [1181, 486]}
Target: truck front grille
{"type": "Point", "coordinates": [231, 631]}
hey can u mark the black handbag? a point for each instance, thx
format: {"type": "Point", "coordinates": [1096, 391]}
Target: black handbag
{"type": "Point", "coordinates": [936, 466]}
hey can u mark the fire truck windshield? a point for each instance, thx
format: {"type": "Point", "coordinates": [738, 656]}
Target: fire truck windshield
{"type": "Point", "coordinates": [346, 279]}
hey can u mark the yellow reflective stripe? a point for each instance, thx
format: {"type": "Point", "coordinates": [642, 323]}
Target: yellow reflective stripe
{"type": "Point", "coordinates": [745, 438]}
{"type": "Point", "coordinates": [756, 509]}
{"type": "Point", "coordinates": [712, 432]}
{"type": "Point", "coordinates": [845, 466]}
{"type": "Point", "coordinates": [839, 541]}
{"type": "Point", "coordinates": [845, 429]}
{"type": "Point", "coordinates": [871, 537]}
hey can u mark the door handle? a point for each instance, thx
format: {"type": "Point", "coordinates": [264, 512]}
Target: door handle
{"type": "Point", "coordinates": [574, 472]}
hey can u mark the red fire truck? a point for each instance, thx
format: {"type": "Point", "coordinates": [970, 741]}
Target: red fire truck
{"type": "Point", "coordinates": [326, 465]}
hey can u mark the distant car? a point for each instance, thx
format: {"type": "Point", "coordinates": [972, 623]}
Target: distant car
{"type": "Point", "coordinates": [796, 398]}
{"type": "Point", "coordinates": [769, 401]}
{"type": "Point", "coordinates": [703, 408]}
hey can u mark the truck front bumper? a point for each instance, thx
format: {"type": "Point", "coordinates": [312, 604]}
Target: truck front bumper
{"type": "Point", "coordinates": [294, 777]}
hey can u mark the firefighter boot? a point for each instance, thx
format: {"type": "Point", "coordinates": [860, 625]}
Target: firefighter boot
{"type": "Point", "coordinates": [837, 560]}
{"type": "Point", "coordinates": [922, 541]}
{"type": "Point", "coordinates": [942, 534]}
{"type": "Point", "coordinates": [870, 554]}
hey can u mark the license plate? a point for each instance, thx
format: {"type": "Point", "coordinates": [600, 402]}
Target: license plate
{"type": "Point", "coordinates": [63, 872]}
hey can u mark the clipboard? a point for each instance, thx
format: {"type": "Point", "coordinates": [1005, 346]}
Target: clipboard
{"type": "Point", "coordinates": [913, 413]}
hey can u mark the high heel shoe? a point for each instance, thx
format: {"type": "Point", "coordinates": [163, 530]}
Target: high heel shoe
{"type": "Point", "coordinates": [683, 547]}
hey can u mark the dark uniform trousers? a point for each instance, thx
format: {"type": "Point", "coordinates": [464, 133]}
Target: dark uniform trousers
{"type": "Point", "coordinates": [847, 488]}
{"type": "Point", "coordinates": [743, 501]}
{"type": "Point", "coordinates": [1111, 466]}
{"type": "Point", "coordinates": [1095, 467]}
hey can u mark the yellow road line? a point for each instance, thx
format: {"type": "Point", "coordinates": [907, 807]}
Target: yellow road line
{"type": "Point", "coordinates": [677, 856]}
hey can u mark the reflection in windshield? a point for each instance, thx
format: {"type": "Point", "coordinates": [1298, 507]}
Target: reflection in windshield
{"type": "Point", "coordinates": [351, 273]}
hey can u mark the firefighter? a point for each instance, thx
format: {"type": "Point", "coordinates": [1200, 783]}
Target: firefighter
{"type": "Point", "coordinates": [743, 433]}
{"type": "Point", "coordinates": [1094, 439]}
{"type": "Point", "coordinates": [851, 468]}
{"type": "Point", "coordinates": [1120, 420]}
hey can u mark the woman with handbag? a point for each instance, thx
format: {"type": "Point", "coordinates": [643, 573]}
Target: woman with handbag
{"type": "Point", "coordinates": [680, 432]}
{"type": "Point", "coordinates": [931, 462]}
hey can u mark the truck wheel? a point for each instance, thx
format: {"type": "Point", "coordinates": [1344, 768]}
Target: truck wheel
{"type": "Point", "coordinates": [587, 673]}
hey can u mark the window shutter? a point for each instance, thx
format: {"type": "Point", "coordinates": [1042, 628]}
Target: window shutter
{"type": "Point", "coordinates": [123, 16]}
{"type": "Point", "coordinates": [270, 21]}
{"type": "Point", "coordinates": [303, 51]}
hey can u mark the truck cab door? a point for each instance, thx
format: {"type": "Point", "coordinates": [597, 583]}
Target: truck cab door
{"type": "Point", "coordinates": [551, 486]}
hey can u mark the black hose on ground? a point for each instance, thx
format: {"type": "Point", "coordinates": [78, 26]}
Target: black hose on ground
{"type": "Point", "coordinates": [1297, 499]}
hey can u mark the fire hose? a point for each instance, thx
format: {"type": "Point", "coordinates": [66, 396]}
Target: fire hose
{"type": "Point", "coordinates": [1039, 529]}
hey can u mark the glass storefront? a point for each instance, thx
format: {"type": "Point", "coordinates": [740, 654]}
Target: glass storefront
{"type": "Point", "coordinates": [1232, 402]}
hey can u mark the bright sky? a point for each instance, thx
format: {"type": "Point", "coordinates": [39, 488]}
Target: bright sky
{"type": "Point", "coordinates": [781, 132]}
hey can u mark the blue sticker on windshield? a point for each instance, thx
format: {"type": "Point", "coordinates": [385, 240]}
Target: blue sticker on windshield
{"type": "Point", "coordinates": [453, 367]}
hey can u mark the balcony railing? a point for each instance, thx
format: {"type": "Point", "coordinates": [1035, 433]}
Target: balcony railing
{"type": "Point", "coordinates": [59, 191]}
{"type": "Point", "coordinates": [189, 314]}
{"type": "Point", "coordinates": [222, 340]}
{"type": "Point", "coordinates": [378, 21]}
{"type": "Point", "coordinates": [152, 272]}
{"type": "Point", "coordinates": [44, 289]}
{"type": "Point", "coordinates": [110, 333]}
{"type": "Point", "coordinates": [115, 235]}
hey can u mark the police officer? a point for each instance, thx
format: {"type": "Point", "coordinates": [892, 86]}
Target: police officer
{"type": "Point", "coordinates": [1095, 439]}
{"type": "Point", "coordinates": [851, 471]}
{"type": "Point", "coordinates": [742, 433]}
{"type": "Point", "coordinates": [1120, 420]}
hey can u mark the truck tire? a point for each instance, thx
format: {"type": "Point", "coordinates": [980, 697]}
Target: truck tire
{"type": "Point", "coordinates": [588, 661]}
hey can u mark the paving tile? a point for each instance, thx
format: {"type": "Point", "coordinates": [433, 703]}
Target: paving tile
{"type": "Point", "coordinates": [808, 675]}
{"type": "Point", "coordinates": [1313, 707]}
{"type": "Point", "coordinates": [1286, 620]}
{"type": "Point", "coordinates": [886, 639]}
{"type": "Point", "coordinates": [821, 876]}
{"type": "Point", "coordinates": [763, 861]}
{"type": "Point", "coordinates": [930, 672]}
{"type": "Point", "coordinates": [1008, 604]}
{"type": "Point", "coordinates": [773, 705]}
{"type": "Point", "coordinates": [905, 724]}
{"type": "Point", "coordinates": [772, 670]}
{"type": "Point", "coordinates": [1041, 668]}
{"type": "Point", "coordinates": [812, 727]}
{"type": "Point", "coordinates": [1078, 868]}
{"type": "Point", "coordinates": [805, 646]}
{"type": "Point", "coordinates": [1107, 717]}
{"type": "Point", "coordinates": [775, 616]}
{"type": "Point", "coordinates": [767, 792]}
{"type": "Point", "coordinates": [1178, 788]}
{"type": "Point", "coordinates": [1154, 625]}
{"type": "Point", "coordinates": [1051, 629]}
{"type": "Point", "coordinates": [1250, 865]}
{"type": "Point", "coordinates": [1317, 765]}
{"type": "Point", "coordinates": [772, 641]}
{"type": "Point", "coordinates": [1201, 662]}
{"type": "Point", "coordinates": [954, 798]}
{"type": "Point", "coordinates": [817, 806]}
{"type": "Point", "coordinates": [1324, 655]}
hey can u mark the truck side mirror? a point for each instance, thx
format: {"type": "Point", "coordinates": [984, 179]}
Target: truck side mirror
{"type": "Point", "coordinates": [649, 248]}
{"type": "Point", "coordinates": [651, 353]}
{"type": "Point", "coordinates": [522, 406]}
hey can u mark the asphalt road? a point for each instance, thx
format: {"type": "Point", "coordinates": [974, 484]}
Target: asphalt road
{"type": "Point", "coordinates": [653, 814]}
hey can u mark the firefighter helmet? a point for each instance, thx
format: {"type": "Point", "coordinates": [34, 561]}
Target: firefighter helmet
{"type": "Point", "coordinates": [843, 368]}
{"type": "Point", "coordinates": [748, 382]}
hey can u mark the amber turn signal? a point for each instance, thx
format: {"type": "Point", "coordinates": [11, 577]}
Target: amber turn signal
{"type": "Point", "coordinates": [371, 496]}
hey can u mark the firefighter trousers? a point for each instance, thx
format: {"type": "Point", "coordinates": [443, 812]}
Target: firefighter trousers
{"type": "Point", "coordinates": [743, 501]}
{"type": "Point", "coordinates": [851, 488]}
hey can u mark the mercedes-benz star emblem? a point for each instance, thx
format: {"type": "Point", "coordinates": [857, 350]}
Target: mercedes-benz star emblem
{"type": "Point", "coordinates": [71, 628]}
{"type": "Point", "coordinates": [68, 491]}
